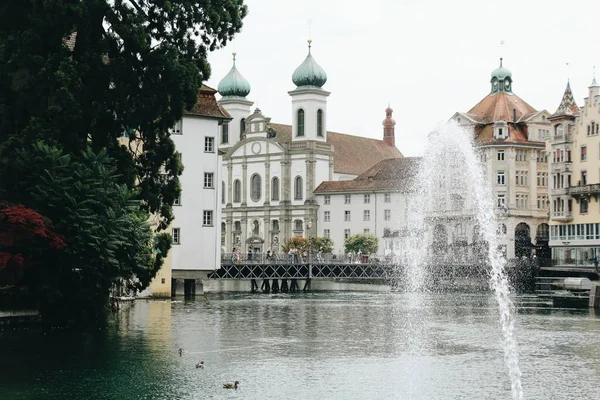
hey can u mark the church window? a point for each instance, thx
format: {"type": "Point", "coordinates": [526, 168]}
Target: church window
{"type": "Point", "coordinates": [222, 192]}
{"type": "Point", "coordinates": [300, 122]}
{"type": "Point", "coordinates": [225, 133]}
{"type": "Point", "coordinates": [255, 187]}
{"type": "Point", "coordinates": [298, 225]}
{"type": "Point", "coordinates": [320, 122]}
{"type": "Point", "coordinates": [237, 191]}
{"type": "Point", "coordinates": [298, 188]}
{"type": "Point", "coordinates": [242, 127]}
{"type": "Point", "coordinates": [275, 189]}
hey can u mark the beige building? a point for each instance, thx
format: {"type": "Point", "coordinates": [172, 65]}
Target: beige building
{"type": "Point", "coordinates": [510, 135]}
{"type": "Point", "coordinates": [574, 145]}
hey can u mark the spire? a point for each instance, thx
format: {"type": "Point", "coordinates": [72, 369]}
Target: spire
{"type": "Point", "coordinates": [389, 128]}
{"type": "Point", "coordinates": [594, 79]}
{"type": "Point", "coordinates": [567, 106]}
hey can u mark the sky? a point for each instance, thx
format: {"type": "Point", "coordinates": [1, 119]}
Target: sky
{"type": "Point", "coordinates": [427, 58]}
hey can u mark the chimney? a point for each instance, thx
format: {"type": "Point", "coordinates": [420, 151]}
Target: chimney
{"type": "Point", "coordinates": [388, 128]}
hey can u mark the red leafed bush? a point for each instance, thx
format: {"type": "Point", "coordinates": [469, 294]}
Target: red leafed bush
{"type": "Point", "coordinates": [23, 233]}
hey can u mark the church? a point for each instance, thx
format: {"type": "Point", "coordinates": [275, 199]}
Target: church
{"type": "Point", "coordinates": [270, 170]}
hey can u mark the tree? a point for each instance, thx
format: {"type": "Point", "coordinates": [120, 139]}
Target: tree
{"type": "Point", "coordinates": [323, 244]}
{"type": "Point", "coordinates": [80, 73]}
{"type": "Point", "coordinates": [367, 243]}
{"type": "Point", "coordinates": [106, 233]}
{"type": "Point", "coordinates": [299, 243]}
{"type": "Point", "coordinates": [26, 240]}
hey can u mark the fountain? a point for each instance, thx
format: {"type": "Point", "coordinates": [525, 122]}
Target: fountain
{"type": "Point", "coordinates": [450, 188]}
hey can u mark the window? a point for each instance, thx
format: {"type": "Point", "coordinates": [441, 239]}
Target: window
{"type": "Point", "coordinates": [177, 201]}
{"type": "Point", "coordinates": [176, 129]}
{"type": "Point", "coordinates": [237, 226]}
{"type": "Point", "coordinates": [207, 218]}
{"type": "Point", "coordinates": [500, 178]}
{"type": "Point", "coordinates": [583, 178]}
{"type": "Point", "coordinates": [255, 187]}
{"type": "Point", "coordinates": [366, 215]}
{"type": "Point", "coordinates": [242, 128]}
{"type": "Point", "coordinates": [275, 189]}
{"type": "Point", "coordinates": [346, 215]}
{"type": "Point", "coordinates": [501, 230]}
{"type": "Point", "coordinates": [320, 123]}
{"type": "Point", "coordinates": [327, 199]}
{"type": "Point", "coordinates": [542, 179]}
{"type": "Point", "coordinates": [583, 205]}
{"type": "Point", "coordinates": [366, 231]}
{"type": "Point", "coordinates": [275, 225]}
{"type": "Point", "coordinates": [347, 199]}
{"type": "Point", "coordinates": [237, 191]}
{"type": "Point", "coordinates": [225, 133]}
{"type": "Point", "coordinates": [300, 121]}
{"type": "Point", "coordinates": [209, 144]}
{"type": "Point", "coordinates": [387, 215]}
{"type": "Point", "coordinates": [346, 233]}
{"type": "Point", "coordinates": [500, 155]}
{"type": "Point", "coordinates": [326, 233]}
{"type": "Point", "coordinates": [367, 198]}
{"type": "Point", "coordinates": [222, 192]}
{"type": "Point", "coordinates": [175, 232]}
{"type": "Point", "coordinates": [542, 202]}
{"type": "Point", "coordinates": [583, 153]}
{"type": "Point", "coordinates": [208, 180]}
{"type": "Point", "coordinates": [326, 216]}
{"type": "Point", "coordinates": [298, 188]}
{"type": "Point", "coordinates": [500, 200]}
{"type": "Point", "coordinates": [298, 225]}
{"type": "Point", "coordinates": [521, 178]}
{"type": "Point", "coordinates": [522, 200]}
{"type": "Point", "coordinates": [162, 281]}
{"type": "Point", "coordinates": [387, 198]}
{"type": "Point", "coordinates": [521, 155]}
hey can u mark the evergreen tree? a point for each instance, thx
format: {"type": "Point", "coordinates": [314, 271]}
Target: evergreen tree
{"type": "Point", "coordinates": [81, 72]}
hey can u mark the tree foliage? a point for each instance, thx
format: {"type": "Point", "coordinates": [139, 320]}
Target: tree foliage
{"type": "Point", "coordinates": [298, 243]}
{"type": "Point", "coordinates": [323, 244]}
{"type": "Point", "coordinates": [367, 243]}
{"type": "Point", "coordinates": [107, 235]}
{"type": "Point", "coordinates": [301, 244]}
{"type": "Point", "coordinates": [79, 73]}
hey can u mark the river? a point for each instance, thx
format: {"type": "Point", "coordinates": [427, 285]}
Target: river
{"type": "Point", "coordinates": [322, 346]}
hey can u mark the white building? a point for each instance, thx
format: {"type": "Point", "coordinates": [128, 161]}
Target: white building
{"type": "Point", "coordinates": [195, 228]}
{"type": "Point", "coordinates": [270, 171]}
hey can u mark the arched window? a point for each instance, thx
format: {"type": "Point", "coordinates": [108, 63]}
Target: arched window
{"type": "Point", "coordinates": [298, 225]}
{"type": "Point", "coordinates": [237, 191]}
{"type": "Point", "coordinates": [242, 128]}
{"type": "Point", "coordinates": [300, 122]}
{"type": "Point", "coordinates": [223, 228]}
{"type": "Point", "coordinates": [298, 188]}
{"type": "Point", "coordinates": [275, 225]}
{"type": "Point", "coordinates": [320, 122]}
{"type": "Point", "coordinates": [222, 192]}
{"type": "Point", "coordinates": [255, 187]}
{"type": "Point", "coordinates": [237, 226]}
{"type": "Point", "coordinates": [275, 189]}
{"type": "Point", "coordinates": [225, 133]}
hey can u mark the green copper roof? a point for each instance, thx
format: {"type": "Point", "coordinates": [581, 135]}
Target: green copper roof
{"type": "Point", "coordinates": [234, 84]}
{"type": "Point", "coordinates": [309, 73]}
{"type": "Point", "coordinates": [501, 72]}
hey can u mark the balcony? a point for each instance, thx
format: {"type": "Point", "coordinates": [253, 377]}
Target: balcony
{"type": "Point", "coordinates": [561, 167]}
{"type": "Point", "coordinates": [561, 216]}
{"type": "Point", "coordinates": [584, 190]}
{"type": "Point", "coordinates": [562, 138]}
{"type": "Point", "coordinates": [558, 192]}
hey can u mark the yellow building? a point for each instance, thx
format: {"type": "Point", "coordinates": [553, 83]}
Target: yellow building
{"type": "Point", "coordinates": [574, 147]}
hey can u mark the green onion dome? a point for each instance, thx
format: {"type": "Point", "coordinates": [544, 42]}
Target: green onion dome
{"type": "Point", "coordinates": [501, 72]}
{"type": "Point", "coordinates": [234, 84]}
{"type": "Point", "coordinates": [309, 73]}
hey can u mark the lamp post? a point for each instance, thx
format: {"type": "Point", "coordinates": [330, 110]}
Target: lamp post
{"type": "Point", "coordinates": [308, 226]}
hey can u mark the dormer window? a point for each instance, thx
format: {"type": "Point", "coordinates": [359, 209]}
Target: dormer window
{"type": "Point", "coordinates": [501, 130]}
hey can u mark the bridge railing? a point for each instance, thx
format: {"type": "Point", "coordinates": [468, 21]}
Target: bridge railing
{"type": "Point", "coordinates": [315, 258]}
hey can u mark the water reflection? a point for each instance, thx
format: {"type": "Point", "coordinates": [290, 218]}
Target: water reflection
{"type": "Point", "coordinates": [307, 346]}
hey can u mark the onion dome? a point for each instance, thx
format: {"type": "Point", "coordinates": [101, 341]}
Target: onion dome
{"type": "Point", "coordinates": [234, 84]}
{"type": "Point", "coordinates": [501, 72]}
{"type": "Point", "coordinates": [388, 117]}
{"type": "Point", "coordinates": [309, 73]}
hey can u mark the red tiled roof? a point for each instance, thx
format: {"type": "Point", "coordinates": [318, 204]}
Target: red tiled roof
{"type": "Point", "coordinates": [352, 154]}
{"type": "Point", "coordinates": [207, 105]}
{"type": "Point", "coordinates": [516, 134]}
{"type": "Point", "coordinates": [499, 107]}
{"type": "Point", "coordinates": [396, 174]}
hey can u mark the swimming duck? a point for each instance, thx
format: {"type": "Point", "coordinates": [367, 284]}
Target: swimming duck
{"type": "Point", "coordinates": [231, 385]}
{"type": "Point", "coordinates": [200, 364]}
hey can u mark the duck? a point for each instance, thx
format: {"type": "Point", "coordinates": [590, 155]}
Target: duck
{"type": "Point", "coordinates": [180, 352]}
{"type": "Point", "coordinates": [231, 385]}
{"type": "Point", "coordinates": [200, 364]}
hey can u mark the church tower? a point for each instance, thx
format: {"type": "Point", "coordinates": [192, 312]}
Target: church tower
{"type": "Point", "coordinates": [501, 80]}
{"type": "Point", "coordinates": [389, 128]}
{"type": "Point", "coordinates": [309, 101]}
{"type": "Point", "coordinates": [233, 89]}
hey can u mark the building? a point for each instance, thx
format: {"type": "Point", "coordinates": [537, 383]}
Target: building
{"type": "Point", "coordinates": [377, 201]}
{"type": "Point", "coordinates": [270, 171]}
{"type": "Point", "coordinates": [510, 136]}
{"type": "Point", "coordinates": [574, 143]}
{"type": "Point", "coordinates": [195, 228]}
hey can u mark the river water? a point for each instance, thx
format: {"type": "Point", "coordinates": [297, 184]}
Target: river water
{"type": "Point", "coordinates": [310, 346]}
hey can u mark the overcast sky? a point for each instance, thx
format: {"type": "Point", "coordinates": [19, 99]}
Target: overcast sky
{"type": "Point", "coordinates": [426, 58]}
